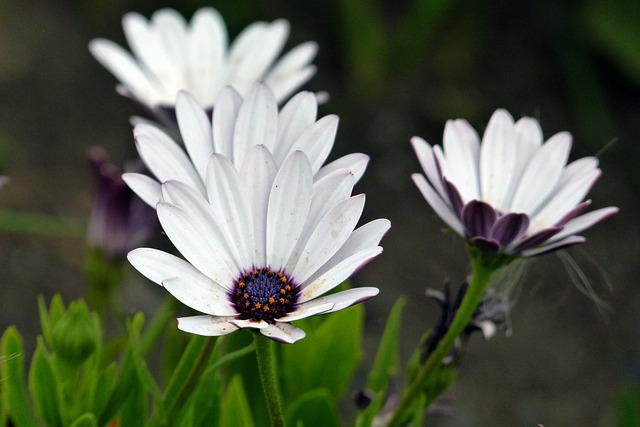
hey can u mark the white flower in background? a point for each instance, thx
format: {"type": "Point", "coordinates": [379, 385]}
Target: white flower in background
{"type": "Point", "coordinates": [169, 54]}
{"type": "Point", "coordinates": [511, 193]}
{"type": "Point", "coordinates": [236, 126]}
{"type": "Point", "coordinates": [263, 247]}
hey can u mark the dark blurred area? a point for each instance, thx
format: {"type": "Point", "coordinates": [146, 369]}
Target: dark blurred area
{"type": "Point", "coordinates": [393, 69]}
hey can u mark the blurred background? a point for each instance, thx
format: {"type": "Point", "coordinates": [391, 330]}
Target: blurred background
{"type": "Point", "coordinates": [393, 69]}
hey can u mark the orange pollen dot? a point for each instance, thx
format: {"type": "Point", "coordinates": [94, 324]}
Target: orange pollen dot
{"type": "Point", "coordinates": [272, 300]}
{"type": "Point", "coordinates": [288, 288]}
{"type": "Point", "coordinates": [281, 300]}
{"type": "Point", "coordinates": [258, 305]}
{"type": "Point", "coordinates": [282, 291]}
{"type": "Point", "coordinates": [247, 304]}
{"type": "Point", "coordinates": [242, 284]}
{"type": "Point", "coordinates": [245, 295]}
{"type": "Point", "coordinates": [266, 308]}
{"type": "Point", "coordinates": [255, 272]}
{"type": "Point", "coordinates": [283, 279]}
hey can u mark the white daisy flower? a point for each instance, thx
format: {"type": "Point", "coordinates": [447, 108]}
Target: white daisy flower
{"type": "Point", "coordinates": [264, 247]}
{"type": "Point", "coordinates": [169, 54]}
{"type": "Point", "coordinates": [236, 126]}
{"type": "Point", "coordinates": [511, 193]}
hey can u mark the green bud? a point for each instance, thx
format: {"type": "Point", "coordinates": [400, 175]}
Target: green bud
{"type": "Point", "coordinates": [76, 334]}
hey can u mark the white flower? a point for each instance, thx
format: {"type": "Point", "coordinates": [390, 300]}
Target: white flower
{"type": "Point", "coordinates": [171, 55]}
{"type": "Point", "coordinates": [263, 247]}
{"type": "Point", "coordinates": [236, 126]}
{"type": "Point", "coordinates": [512, 193]}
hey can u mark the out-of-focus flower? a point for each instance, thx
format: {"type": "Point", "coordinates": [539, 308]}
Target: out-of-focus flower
{"type": "Point", "coordinates": [264, 247]}
{"type": "Point", "coordinates": [511, 194]}
{"type": "Point", "coordinates": [3, 181]}
{"type": "Point", "coordinates": [236, 126]}
{"type": "Point", "coordinates": [489, 317]}
{"type": "Point", "coordinates": [169, 55]}
{"type": "Point", "coordinates": [119, 220]}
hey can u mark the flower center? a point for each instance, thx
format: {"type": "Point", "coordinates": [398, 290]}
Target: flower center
{"type": "Point", "coordinates": [263, 294]}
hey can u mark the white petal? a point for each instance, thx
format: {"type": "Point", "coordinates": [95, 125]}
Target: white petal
{"type": "Point", "coordinates": [585, 221]}
{"type": "Point", "coordinates": [148, 189]}
{"type": "Point", "coordinates": [462, 147]}
{"type": "Point", "coordinates": [147, 45]}
{"type": "Point", "coordinates": [498, 160]}
{"type": "Point", "coordinates": [186, 232]}
{"type": "Point", "coordinates": [227, 265]}
{"type": "Point", "coordinates": [541, 174]}
{"type": "Point", "coordinates": [317, 141]}
{"type": "Point", "coordinates": [356, 163]}
{"type": "Point", "coordinates": [307, 309]}
{"type": "Point", "coordinates": [207, 43]}
{"type": "Point", "coordinates": [122, 65]}
{"type": "Point", "coordinates": [334, 302]}
{"type": "Point", "coordinates": [425, 155]}
{"type": "Point", "coordinates": [441, 207]}
{"type": "Point", "coordinates": [328, 237]}
{"type": "Point", "coordinates": [210, 326]}
{"type": "Point", "coordinates": [289, 203]}
{"type": "Point", "coordinates": [563, 201]}
{"type": "Point", "coordinates": [283, 332]}
{"type": "Point", "coordinates": [208, 300]}
{"type": "Point", "coordinates": [577, 169]}
{"type": "Point", "coordinates": [158, 266]}
{"type": "Point", "coordinates": [230, 207]}
{"type": "Point", "coordinates": [171, 31]}
{"type": "Point", "coordinates": [253, 52]}
{"type": "Point", "coordinates": [165, 158]}
{"type": "Point", "coordinates": [251, 324]}
{"type": "Point", "coordinates": [224, 119]}
{"type": "Point", "coordinates": [296, 116]}
{"type": "Point", "coordinates": [327, 194]}
{"type": "Point", "coordinates": [292, 70]}
{"type": "Point", "coordinates": [324, 281]}
{"type": "Point", "coordinates": [257, 122]}
{"type": "Point", "coordinates": [195, 129]}
{"type": "Point", "coordinates": [366, 236]}
{"type": "Point", "coordinates": [257, 174]}
{"type": "Point", "coordinates": [567, 241]}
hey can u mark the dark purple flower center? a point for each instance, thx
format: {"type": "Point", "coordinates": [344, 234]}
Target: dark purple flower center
{"type": "Point", "coordinates": [264, 294]}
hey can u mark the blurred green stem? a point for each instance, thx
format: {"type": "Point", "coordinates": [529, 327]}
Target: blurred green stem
{"type": "Point", "coordinates": [268, 376]}
{"type": "Point", "coordinates": [483, 266]}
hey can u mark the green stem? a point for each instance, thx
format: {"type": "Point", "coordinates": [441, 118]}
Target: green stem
{"type": "Point", "coordinates": [483, 266]}
{"type": "Point", "coordinates": [158, 325]}
{"type": "Point", "coordinates": [268, 376]}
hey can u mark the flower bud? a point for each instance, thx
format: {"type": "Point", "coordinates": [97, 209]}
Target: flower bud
{"type": "Point", "coordinates": [76, 334]}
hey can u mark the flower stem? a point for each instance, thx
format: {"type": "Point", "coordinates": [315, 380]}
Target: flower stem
{"type": "Point", "coordinates": [483, 267]}
{"type": "Point", "coordinates": [268, 376]}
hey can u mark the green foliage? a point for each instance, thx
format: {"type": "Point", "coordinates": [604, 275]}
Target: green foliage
{"type": "Point", "coordinates": [235, 409]}
{"type": "Point", "coordinates": [313, 408]}
{"type": "Point", "coordinates": [327, 357]}
{"type": "Point", "coordinates": [628, 407]}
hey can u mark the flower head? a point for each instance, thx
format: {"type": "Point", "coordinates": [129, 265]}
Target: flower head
{"type": "Point", "coordinates": [170, 54]}
{"type": "Point", "coordinates": [264, 245]}
{"type": "Point", "coordinates": [119, 220]}
{"type": "Point", "coordinates": [237, 125]}
{"type": "Point", "coordinates": [511, 193]}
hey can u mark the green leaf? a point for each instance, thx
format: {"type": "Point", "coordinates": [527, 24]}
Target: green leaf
{"type": "Point", "coordinates": [628, 407]}
{"type": "Point", "coordinates": [14, 392]}
{"type": "Point", "coordinates": [85, 420]}
{"type": "Point", "coordinates": [38, 224]}
{"type": "Point", "coordinates": [314, 408]}
{"type": "Point", "coordinates": [204, 403]}
{"type": "Point", "coordinates": [134, 409]}
{"type": "Point", "coordinates": [387, 362]}
{"type": "Point", "coordinates": [124, 386]}
{"type": "Point", "coordinates": [102, 388]}
{"type": "Point", "coordinates": [235, 410]}
{"type": "Point", "coordinates": [49, 317]}
{"type": "Point", "coordinates": [45, 386]}
{"type": "Point", "coordinates": [327, 357]}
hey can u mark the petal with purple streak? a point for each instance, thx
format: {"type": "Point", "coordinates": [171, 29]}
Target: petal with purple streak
{"type": "Point", "coordinates": [478, 218]}
{"type": "Point", "coordinates": [509, 227]}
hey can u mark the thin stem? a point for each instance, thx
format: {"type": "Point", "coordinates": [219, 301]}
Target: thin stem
{"type": "Point", "coordinates": [483, 267]}
{"type": "Point", "coordinates": [268, 376]}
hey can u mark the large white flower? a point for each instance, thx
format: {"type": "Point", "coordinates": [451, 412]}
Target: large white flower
{"type": "Point", "coordinates": [263, 247]}
{"type": "Point", "coordinates": [512, 193]}
{"type": "Point", "coordinates": [236, 126]}
{"type": "Point", "coordinates": [171, 55]}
